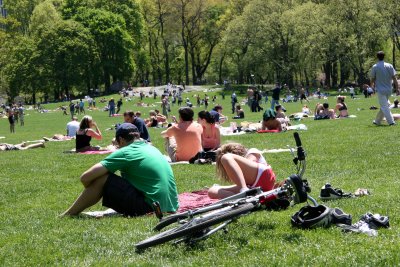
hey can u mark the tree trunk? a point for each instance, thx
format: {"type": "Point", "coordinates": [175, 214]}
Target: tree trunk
{"type": "Point", "coordinates": [394, 52]}
{"type": "Point", "coordinates": [34, 98]}
{"type": "Point", "coordinates": [194, 78]}
{"type": "Point", "coordinates": [306, 78]}
{"type": "Point", "coordinates": [185, 44]}
{"type": "Point", "coordinates": [107, 83]}
{"type": "Point", "coordinates": [167, 69]}
{"type": "Point", "coordinates": [328, 71]}
{"type": "Point", "coordinates": [334, 74]}
{"type": "Point", "coordinates": [221, 62]}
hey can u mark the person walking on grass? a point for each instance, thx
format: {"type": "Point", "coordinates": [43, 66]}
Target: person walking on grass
{"type": "Point", "coordinates": [119, 104]}
{"type": "Point", "coordinates": [21, 115]}
{"type": "Point", "coordinates": [11, 120]}
{"type": "Point", "coordinates": [383, 76]}
{"type": "Point", "coordinates": [146, 177]}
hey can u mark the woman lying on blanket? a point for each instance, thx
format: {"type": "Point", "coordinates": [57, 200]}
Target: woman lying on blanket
{"type": "Point", "coordinates": [58, 137]}
{"type": "Point", "coordinates": [22, 146]}
{"type": "Point", "coordinates": [85, 133]}
{"type": "Point", "coordinates": [245, 168]}
{"type": "Point", "coordinates": [210, 138]}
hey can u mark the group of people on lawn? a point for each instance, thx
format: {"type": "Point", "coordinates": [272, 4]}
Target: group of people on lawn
{"type": "Point", "coordinates": [146, 176]}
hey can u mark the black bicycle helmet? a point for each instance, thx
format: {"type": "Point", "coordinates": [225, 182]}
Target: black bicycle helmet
{"type": "Point", "coordinates": [309, 217]}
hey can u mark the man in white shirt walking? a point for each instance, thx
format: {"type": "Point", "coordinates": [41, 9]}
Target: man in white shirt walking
{"type": "Point", "coordinates": [382, 76]}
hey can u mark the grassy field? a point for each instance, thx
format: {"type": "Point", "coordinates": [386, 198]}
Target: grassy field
{"type": "Point", "coordinates": [37, 185]}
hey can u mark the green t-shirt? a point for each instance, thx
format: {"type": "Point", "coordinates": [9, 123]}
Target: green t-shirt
{"type": "Point", "coordinates": [148, 171]}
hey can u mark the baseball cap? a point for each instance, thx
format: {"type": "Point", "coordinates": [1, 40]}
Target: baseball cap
{"type": "Point", "coordinates": [126, 128]}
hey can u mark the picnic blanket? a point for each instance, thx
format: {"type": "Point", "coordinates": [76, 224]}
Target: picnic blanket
{"type": "Point", "coordinates": [227, 131]}
{"type": "Point", "coordinates": [187, 201]}
{"type": "Point", "coordinates": [193, 200]}
{"type": "Point", "coordinates": [297, 127]}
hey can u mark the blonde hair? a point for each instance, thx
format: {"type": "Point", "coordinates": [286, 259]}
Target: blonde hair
{"type": "Point", "coordinates": [234, 148]}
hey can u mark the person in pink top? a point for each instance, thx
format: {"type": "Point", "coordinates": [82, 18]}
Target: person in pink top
{"type": "Point", "coordinates": [183, 139]}
{"type": "Point", "coordinates": [210, 138]}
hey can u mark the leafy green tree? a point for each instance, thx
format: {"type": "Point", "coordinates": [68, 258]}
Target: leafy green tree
{"type": "Point", "coordinates": [21, 10]}
{"type": "Point", "coordinates": [113, 42]}
{"type": "Point", "coordinates": [67, 56]}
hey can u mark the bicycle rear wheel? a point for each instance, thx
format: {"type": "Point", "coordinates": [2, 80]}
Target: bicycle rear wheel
{"type": "Point", "coordinates": [194, 226]}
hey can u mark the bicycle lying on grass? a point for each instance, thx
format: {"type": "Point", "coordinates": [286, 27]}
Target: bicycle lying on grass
{"type": "Point", "coordinates": [198, 224]}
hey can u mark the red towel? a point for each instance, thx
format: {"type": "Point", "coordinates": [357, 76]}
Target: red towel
{"type": "Point", "coordinates": [268, 131]}
{"type": "Point", "coordinates": [193, 200]}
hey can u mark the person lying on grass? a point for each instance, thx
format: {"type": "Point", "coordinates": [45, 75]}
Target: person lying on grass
{"type": "Point", "coordinates": [22, 146]}
{"type": "Point", "coordinates": [270, 122]}
{"type": "Point", "coordinates": [146, 177]}
{"type": "Point", "coordinates": [87, 129]}
{"type": "Point", "coordinates": [245, 168]}
{"type": "Point", "coordinates": [58, 137]}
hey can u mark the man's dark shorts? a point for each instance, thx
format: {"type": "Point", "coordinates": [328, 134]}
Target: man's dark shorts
{"type": "Point", "coordinates": [123, 197]}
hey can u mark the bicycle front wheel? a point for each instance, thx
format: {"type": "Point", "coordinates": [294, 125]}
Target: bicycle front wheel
{"type": "Point", "coordinates": [195, 225]}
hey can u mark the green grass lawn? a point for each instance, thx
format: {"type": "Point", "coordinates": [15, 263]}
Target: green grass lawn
{"type": "Point", "coordinates": [37, 185]}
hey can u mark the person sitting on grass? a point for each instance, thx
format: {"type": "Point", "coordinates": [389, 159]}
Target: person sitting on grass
{"type": "Point", "coordinates": [244, 168]}
{"type": "Point", "coordinates": [322, 112]}
{"type": "Point", "coordinates": [239, 113]}
{"type": "Point", "coordinates": [281, 116]}
{"type": "Point", "coordinates": [341, 107]}
{"type": "Point", "coordinates": [146, 177]}
{"type": "Point", "coordinates": [217, 113]}
{"type": "Point", "coordinates": [129, 117]}
{"type": "Point", "coordinates": [270, 121]}
{"type": "Point", "coordinates": [87, 129]}
{"type": "Point", "coordinates": [22, 146]}
{"type": "Point", "coordinates": [183, 139]}
{"type": "Point", "coordinates": [210, 138]}
{"type": "Point", "coordinates": [72, 127]}
{"type": "Point", "coordinates": [395, 104]}
{"type": "Point", "coordinates": [152, 120]}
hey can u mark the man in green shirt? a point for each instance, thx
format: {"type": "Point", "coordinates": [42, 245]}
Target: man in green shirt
{"type": "Point", "coordinates": [146, 177]}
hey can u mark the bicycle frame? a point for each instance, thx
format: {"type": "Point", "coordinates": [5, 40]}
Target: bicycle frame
{"type": "Point", "coordinates": [294, 188]}
{"type": "Point", "coordinates": [250, 195]}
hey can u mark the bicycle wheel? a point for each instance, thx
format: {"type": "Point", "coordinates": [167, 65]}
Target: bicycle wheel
{"type": "Point", "coordinates": [194, 226]}
{"type": "Point", "coordinates": [300, 193]}
{"type": "Point", "coordinates": [169, 220]}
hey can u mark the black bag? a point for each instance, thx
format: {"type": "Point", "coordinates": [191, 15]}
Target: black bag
{"type": "Point", "coordinates": [204, 157]}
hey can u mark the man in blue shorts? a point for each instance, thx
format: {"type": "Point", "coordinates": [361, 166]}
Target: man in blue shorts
{"type": "Point", "coordinates": [146, 177]}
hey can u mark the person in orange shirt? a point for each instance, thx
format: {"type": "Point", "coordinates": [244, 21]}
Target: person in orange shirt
{"type": "Point", "coordinates": [183, 139]}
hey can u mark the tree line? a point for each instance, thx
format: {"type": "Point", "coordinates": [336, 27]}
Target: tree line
{"type": "Point", "coordinates": [63, 47]}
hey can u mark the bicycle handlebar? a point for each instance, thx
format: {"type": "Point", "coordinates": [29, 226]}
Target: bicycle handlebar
{"type": "Point", "coordinates": [297, 138]}
{"type": "Point", "coordinates": [301, 155]}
